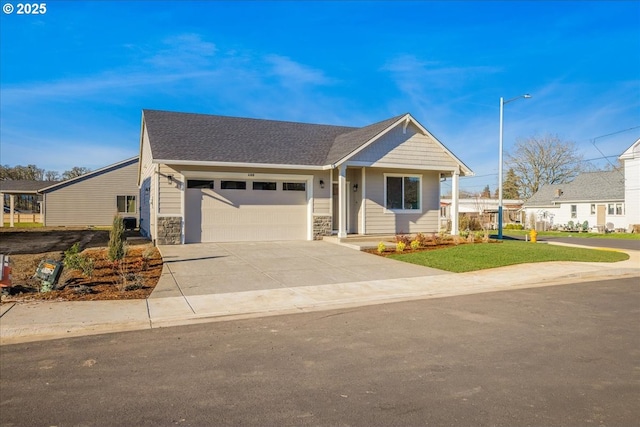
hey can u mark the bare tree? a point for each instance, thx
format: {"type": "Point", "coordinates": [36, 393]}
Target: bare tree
{"type": "Point", "coordinates": [29, 172]}
{"type": "Point", "coordinates": [544, 160]}
{"type": "Point", "coordinates": [52, 176]}
{"type": "Point", "coordinates": [75, 172]}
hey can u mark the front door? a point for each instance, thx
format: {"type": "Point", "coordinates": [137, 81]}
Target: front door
{"type": "Point", "coordinates": [601, 215]}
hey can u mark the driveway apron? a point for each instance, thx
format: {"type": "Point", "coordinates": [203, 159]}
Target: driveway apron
{"type": "Point", "coordinates": [215, 268]}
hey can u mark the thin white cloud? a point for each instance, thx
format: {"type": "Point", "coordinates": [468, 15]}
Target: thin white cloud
{"type": "Point", "coordinates": [293, 73]}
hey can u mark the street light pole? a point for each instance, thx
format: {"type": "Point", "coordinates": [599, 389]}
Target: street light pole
{"type": "Point", "coordinates": [502, 104]}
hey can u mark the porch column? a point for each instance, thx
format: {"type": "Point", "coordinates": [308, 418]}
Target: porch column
{"type": "Point", "coordinates": [454, 203]}
{"type": "Point", "coordinates": [12, 204]}
{"type": "Point", "coordinates": [342, 205]}
{"type": "Point", "coordinates": [2, 197]}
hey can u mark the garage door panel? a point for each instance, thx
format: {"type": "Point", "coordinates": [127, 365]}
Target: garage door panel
{"type": "Point", "coordinates": [244, 215]}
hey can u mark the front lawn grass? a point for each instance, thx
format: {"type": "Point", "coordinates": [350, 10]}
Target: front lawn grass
{"type": "Point", "coordinates": [622, 236]}
{"type": "Point", "coordinates": [480, 256]}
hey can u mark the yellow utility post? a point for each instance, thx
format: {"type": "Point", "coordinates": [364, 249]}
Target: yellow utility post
{"type": "Point", "coordinates": [533, 234]}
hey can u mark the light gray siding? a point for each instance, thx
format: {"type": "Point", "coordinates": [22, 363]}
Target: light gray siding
{"type": "Point", "coordinates": [381, 221]}
{"type": "Point", "coordinates": [92, 199]}
{"type": "Point", "coordinates": [171, 183]}
{"type": "Point", "coordinates": [406, 149]}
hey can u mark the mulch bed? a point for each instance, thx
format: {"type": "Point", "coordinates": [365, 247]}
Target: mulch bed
{"type": "Point", "coordinates": [108, 281]}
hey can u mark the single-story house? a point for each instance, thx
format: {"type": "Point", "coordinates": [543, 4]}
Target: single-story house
{"type": "Point", "coordinates": [209, 178]}
{"type": "Point", "coordinates": [595, 197]}
{"type": "Point", "coordinates": [485, 209]}
{"type": "Point", "coordinates": [91, 199]}
{"type": "Point", "coordinates": [631, 161]}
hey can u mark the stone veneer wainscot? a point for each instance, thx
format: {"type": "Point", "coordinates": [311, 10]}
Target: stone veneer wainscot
{"type": "Point", "coordinates": [169, 230]}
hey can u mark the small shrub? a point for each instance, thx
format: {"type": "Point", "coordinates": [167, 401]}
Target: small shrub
{"type": "Point", "coordinates": [471, 238]}
{"type": "Point", "coordinates": [87, 266]}
{"type": "Point", "coordinates": [400, 246]}
{"type": "Point", "coordinates": [116, 240]}
{"type": "Point", "coordinates": [585, 226]}
{"type": "Point", "coordinates": [422, 239]}
{"type": "Point", "coordinates": [514, 227]}
{"type": "Point", "coordinates": [402, 238]}
{"type": "Point", "coordinates": [72, 259]}
{"type": "Point", "coordinates": [415, 244]}
{"type": "Point", "coordinates": [131, 281]}
{"type": "Point", "coordinates": [381, 247]}
{"type": "Point", "coordinates": [46, 286]}
{"type": "Point", "coordinates": [456, 240]}
{"type": "Point", "coordinates": [147, 254]}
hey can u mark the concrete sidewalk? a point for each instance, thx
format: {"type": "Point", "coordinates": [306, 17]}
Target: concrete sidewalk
{"type": "Point", "coordinates": [24, 322]}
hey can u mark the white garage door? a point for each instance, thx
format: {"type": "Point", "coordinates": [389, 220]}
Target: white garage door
{"type": "Point", "coordinates": [230, 210]}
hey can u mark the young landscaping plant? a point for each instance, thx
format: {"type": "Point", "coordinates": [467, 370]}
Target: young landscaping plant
{"type": "Point", "coordinates": [117, 249]}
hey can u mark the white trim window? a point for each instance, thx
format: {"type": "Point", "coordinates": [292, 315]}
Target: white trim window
{"type": "Point", "coordinates": [574, 211]}
{"type": "Point", "coordinates": [615, 209]}
{"type": "Point", "coordinates": [402, 193]}
{"type": "Point", "coordinates": [126, 204]}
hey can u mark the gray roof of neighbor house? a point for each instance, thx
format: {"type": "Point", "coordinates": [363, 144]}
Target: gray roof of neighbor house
{"type": "Point", "coordinates": [589, 186]}
{"type": "Point", "coordinates": [202, 137]}
{"type": "Point", "coordinates": [23, 186]}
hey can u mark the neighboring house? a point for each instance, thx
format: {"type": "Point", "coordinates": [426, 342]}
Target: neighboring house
{"type": "Point", "coordinates": [206, 178]}
{"type": "Point", "coordinates": [631, 159]}
{"type": "Point", "coordinates": [93, 199]}
{"type": "Point", "coordinates": [484, 209]}
{"type": "Point", "coordinates": [595, 197]}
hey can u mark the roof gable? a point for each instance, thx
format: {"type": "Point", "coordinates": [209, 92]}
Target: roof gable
{"type": "Point", "coordinates": [88, 175]}
{"type": "Point", "coordinates": [632, 152]}
{"type": "Point", "coordinates": [348, 143]}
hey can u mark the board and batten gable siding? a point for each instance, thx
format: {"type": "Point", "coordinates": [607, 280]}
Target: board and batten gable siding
{"type": "Point", "coordinates": [402, 149]}
{"type": "Point", "coordinates": [92, 200]}
{"type": "Point", "coordinates": [381, 221]}
{"type": "Point", "coordinates": [147, 187]}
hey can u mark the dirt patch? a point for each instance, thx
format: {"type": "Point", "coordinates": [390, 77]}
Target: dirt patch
{"type": "Point", "coordinates": [133, 278]}
{"type": "Point", "coordinates": [39, 240]}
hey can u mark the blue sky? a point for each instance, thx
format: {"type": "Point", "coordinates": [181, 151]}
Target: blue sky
{"type": "Point", "coordinates": [74, 80]}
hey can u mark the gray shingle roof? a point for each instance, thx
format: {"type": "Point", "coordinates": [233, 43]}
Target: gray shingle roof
{"type": "Point", "coordinates": [589, 186]}
{"type": "Point", "coordinates": [23, 186]}
{"type": "Point", "coordinates": [202, 137]}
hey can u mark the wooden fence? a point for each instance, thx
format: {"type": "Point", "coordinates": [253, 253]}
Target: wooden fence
{"type": "Point", "coordinates": [23, 217]}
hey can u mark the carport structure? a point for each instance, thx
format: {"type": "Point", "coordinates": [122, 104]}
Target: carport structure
{"type": "Point", "coordinates": [19, 188]}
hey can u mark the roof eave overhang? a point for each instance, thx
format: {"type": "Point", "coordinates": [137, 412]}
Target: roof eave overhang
{"type": "Point", "coordinates": [239, 164]}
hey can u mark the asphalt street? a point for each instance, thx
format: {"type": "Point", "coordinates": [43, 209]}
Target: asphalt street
{"type": "Point", "coordinates": [559, 355]}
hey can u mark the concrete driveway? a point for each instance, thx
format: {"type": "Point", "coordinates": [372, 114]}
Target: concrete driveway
{"type": "Point", "coordinates": [215, 268]}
